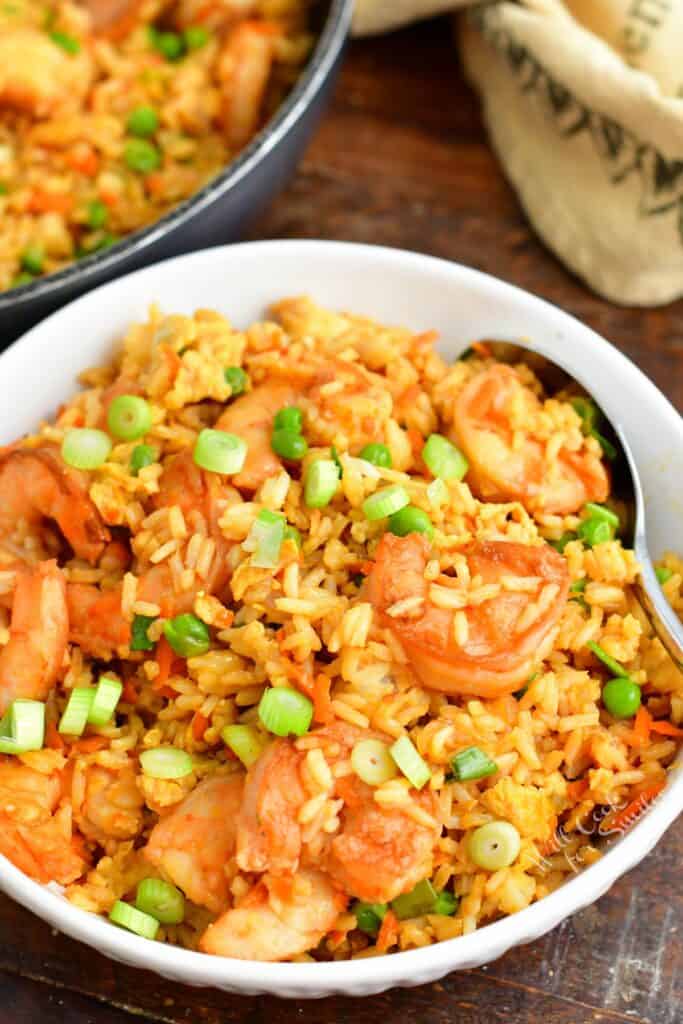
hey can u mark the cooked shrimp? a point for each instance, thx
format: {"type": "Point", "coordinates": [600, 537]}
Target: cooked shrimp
{"type": "Point", "coordinates": [269, 834]}
{"type": "Point", "coordinates": [36, 485]}
{"type": "Point", "coordinates": [108, 804]}
{"type": "Point", "coordinates": [32, 658]}
{"type": "Point", "coordinates": [34, 835]}
{"type": "Point", "coordinates": [243, 71]}
{"type": "Point", "coordinates": [276, 921]}
{"type": "Point", "coordinates": [193, 844]}
{"type": "Point", "coordinates": [505, 463]}
{"type": "Point", "coordinates": [37, 75]}
{"type": "Point", "coordinates": [251, 418]}
{"type": "Point", "coordinates": [380, 852]}
{"type": "Point", "coordinates": [212, 15]}
{"type": "Point", "coordinates": [506, 635]}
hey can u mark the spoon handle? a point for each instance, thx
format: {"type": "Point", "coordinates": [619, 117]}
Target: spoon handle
{"type": "Point", "coordinates": [664, 620]}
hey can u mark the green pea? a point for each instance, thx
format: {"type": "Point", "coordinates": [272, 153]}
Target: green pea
{"type": "Point", "coordinates": [187, 635]}
{"type": "Point", "coordinates": [377, 454]}
{"type": "Point", "coordinates": [195, 37]}
{"type": "Point", "coordinates": [289, 418]}
{"type": "Point", "coordinates": [142, 121]}
{"type": "Point", "coordinates": [33, 259]}
{"type": "Point", "coordinates": [67, 42]}
{"type": "Point", "coordinates": [410, 519]}
{"type": "Point", "coordinates": [289, 445]}
{"type": "Point", "coordinates": [141, 156]}
{"type": "Point", "coordinates": [621, 697]}
{"type": "Point", "coordinates": [141, 456]}
{"type": "Point", "coordinates": [170, 44]}
{"type": "Point", "coordinates": [98, 214]}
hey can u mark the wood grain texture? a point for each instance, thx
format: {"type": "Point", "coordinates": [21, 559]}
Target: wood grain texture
{"type": "Point", "coordinates": [401, 159]}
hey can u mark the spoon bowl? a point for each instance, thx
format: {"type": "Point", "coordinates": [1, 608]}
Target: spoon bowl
{"type": "Point", "coordinates": [626, 488]}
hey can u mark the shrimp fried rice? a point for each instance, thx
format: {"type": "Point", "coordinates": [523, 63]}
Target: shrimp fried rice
{"type": "Point", "coordinates": [104, 128]}
{"type": "Point", "coordinates": [316, 647]}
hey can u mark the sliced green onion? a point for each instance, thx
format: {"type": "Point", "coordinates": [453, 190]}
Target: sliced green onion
{"type": "Point", "coordinates": [377, 454]}
{"type": "Point", "coordinates": [68, 43]}
{"type": "Point", "coordinates": [446, 903]}
{"type": "Point", "coordinates": [291, 533]}
{"type": "Point", "coordinates": [411, 763]}
{"type": "Point", "coordinates": [77, 710]}
{"type": "Point", "coordinates": [607, 446]}
{"type": "Point", "coordinates": [141, 456]}
{"type": "Point", "coordinates": [236, 379]}
{"type": "Point", "coordinates": [602, 513]}
{"type": "Point", "coordinates": [127, 916]}
{"type": "Point", "coordinates": [129, 417]}
{"type": "Point", "coordinates": [663, 573]}
{"type": "Point", "coordinates": [608, 660]}
{"type": "Point", "coordinates": [595, 531]}
{"type": "Point", "coordinates": [196, 36]}
{"type": "Point", "coordinates": [284, 711]}
{"type": "Point", "coordinates": [160, 900]}
{"type": "Point", "coordinates": [472, 763]}
{"type": "Point", "coordinates": [444, 460]}
{"type": "Point", "coordinates": [139, 640]}
{"type": "Point", "coordinates": [245, 741]}
{"type": "Point", "coordinates": [588, 411]}
{"type": "Point", "coordinates": [220, 452]}
{"type": "Point", "coordinates": [142, 121]}
{"type": "Point", "coordinates": [85, 448]}
{"type": "Point", "coordinates": [166, 763]}
{"type": "Point", "coordinates": [141, 156]}
{"type": "Point", "coordinates": [437, 493]}
{"type": "Point", "coordinates": [494, 846]}
{"type": "Point", "coordinates": [578, 586]}
{"type": "Point", "coordinates": [289, 418]}
{"type": "Point", "coordinates": [187, 635]}
{"type": "Point", "coordinates": [265, 539]}
{"type": "Point", "coordinates": [369, 916]}
{"type": "Point", "coordinates": [420, 900]}
{"type": "Point", "coordinates": [372, 762]}
{"type": "Point", "coordinates": [23, 727]}
{"type": "Point", "coordinates": [334, 455]}
{"type": "Point", "coordinates": [385, 502]}
{"type": "Point", "coordinates": [289, 444]}
{"type": "Point", "coordinates": [106, 696]}
{"type": "Point", "coordinates": [410, 519]}
{"type": "Point", "coordinates": [322, 481]}
{"type": "Point", "coordinates": [621, 697]}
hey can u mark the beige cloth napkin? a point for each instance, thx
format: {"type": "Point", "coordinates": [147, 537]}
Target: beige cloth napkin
{"type": "Point", "coordinates": [580, 101]}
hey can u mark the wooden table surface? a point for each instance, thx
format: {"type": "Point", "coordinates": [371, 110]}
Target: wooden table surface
{"type": "Point", "coordinates": [401, 159]}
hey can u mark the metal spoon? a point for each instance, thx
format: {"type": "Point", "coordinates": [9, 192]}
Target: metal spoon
{"type": "Point", "coordinates": [626, 487]}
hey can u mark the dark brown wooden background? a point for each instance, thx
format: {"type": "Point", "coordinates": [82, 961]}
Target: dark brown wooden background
{"type": "Point", "coordinates": [401, 159]}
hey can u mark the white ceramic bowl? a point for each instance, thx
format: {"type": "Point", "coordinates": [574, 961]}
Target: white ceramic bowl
{"type": "Point", "coordinates": [396, 287]}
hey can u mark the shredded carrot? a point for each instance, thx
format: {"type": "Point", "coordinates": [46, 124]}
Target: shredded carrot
{"type": "Point", "coordinates": [411, 393]}
{"type": "Point", "coordinates": [630, 814]}
{"type": "Point", "coordinates": [52, 737]}
{"type": "Point", "coordinates": [665, 728]}
{"type": "Point", "coordinates": [576, 789]}
{"type": "Point", "coordinates": [415, 439]}
{"type": "Point", "coordinates": [366, 568]}
{"type": "Point", "coordinates": [199, 725]}
{"type": "Point", "coordinates": [388, 933]}
{"type": "Point", "coordinates": [482, 349]}
{"type": "Point", "coordinates": [322, 702]}
{"type": "Point", "coordinates": [640, 734]}
{"type": "Point", "coordinates": [110, 199]}
{"type": "Point", "coordinates": [155, 183]}
{"type": "Point", "coordinates": [130, 692]}
{"type": "Point", "coordinates": [50, 202]}
{"type": "Point", "coordinates": [90, 744]}
{"type": "Point", "coordinates": [165, 659]}
{"type": "Point", "coordinates": [282, 886]}
{"type": "Point", "coordinates": [85, 161]}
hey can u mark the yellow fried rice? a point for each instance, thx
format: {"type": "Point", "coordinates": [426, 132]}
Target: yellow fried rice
{"type": "Point", "coordinates": [102, 132]}
{"type": "Point", "coordinates": [561, 759]}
